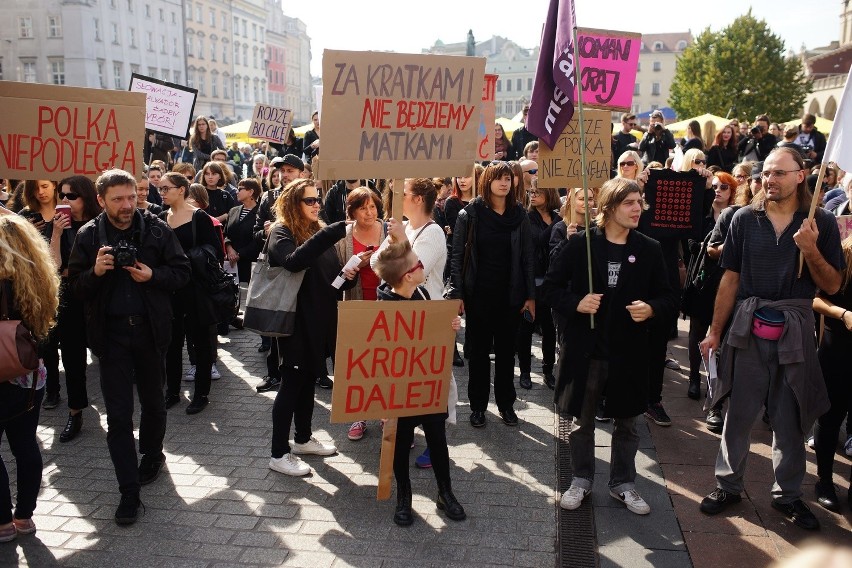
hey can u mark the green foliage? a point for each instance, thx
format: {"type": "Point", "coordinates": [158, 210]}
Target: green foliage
{"type": "Point", "coordinates": [742, 66]}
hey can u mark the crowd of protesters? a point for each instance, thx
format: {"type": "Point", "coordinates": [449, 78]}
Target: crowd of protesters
{"type": "Point", "coordinates": [123, 261]}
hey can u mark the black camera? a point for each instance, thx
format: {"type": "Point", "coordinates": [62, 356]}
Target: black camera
{"type": "Point", "coordinates": [124, 254]}
{"type": "Point", "coordinates": [658, 127]}
{"type": "Point", "coordinates": [755, 130]}
{"type": "Point", "coordinates": [807, 149]}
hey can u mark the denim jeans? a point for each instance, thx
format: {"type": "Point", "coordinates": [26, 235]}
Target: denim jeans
{"type": "Point", "coordinates": [21, 434]}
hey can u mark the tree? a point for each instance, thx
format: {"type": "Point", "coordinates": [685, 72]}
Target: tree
{"type": "Point", "coordinates": [741, 69]}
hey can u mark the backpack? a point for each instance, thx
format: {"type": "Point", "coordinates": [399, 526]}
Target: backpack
{"type": "Point", "coordinates": [702, 280]}
{"type": "Point", "coordinates": [218, 295]}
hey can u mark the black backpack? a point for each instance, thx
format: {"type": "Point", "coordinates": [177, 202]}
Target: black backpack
{"type": "Point", "coordinates": [702, 281]}
{"type": "Point", "coordinates": [217, 297]}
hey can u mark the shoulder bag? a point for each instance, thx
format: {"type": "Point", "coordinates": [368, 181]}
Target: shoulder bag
{"type": "Point", "coordinates": [18, 347]}
{"type": "Point", "coordinates": [271, 299]}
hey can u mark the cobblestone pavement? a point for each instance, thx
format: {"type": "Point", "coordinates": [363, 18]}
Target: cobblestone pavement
{"type": "Point", "coordinates": [218, 504]}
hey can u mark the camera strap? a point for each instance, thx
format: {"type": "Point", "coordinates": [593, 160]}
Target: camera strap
{"type": "Point", "coordinates": [102, 233]}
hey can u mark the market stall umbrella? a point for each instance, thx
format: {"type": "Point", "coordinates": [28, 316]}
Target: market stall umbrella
{"type": "Point", "coordinates": [509, 125]}
{"type": "Point", "coordinates": [238, 132]}
{"type": "Point", "coordinates": [679, 128]}
{"type": "Point", "coordinates": [823, 124]}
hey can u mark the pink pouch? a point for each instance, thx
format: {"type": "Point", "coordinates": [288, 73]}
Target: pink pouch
{"type": "Point", "coordinates": [766, 330]}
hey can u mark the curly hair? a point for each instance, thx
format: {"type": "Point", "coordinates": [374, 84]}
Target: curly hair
{"type": "Point", "coordinates": [288, 211]}
{"type": "Point", "coordinates": [25, 261]}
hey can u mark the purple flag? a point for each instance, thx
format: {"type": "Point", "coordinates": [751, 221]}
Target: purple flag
{"type": "Point", "coordinates": [552, 104]}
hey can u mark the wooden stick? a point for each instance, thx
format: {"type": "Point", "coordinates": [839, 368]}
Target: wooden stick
{"type": "Point", "coordinates": [814, 203]}
{"type": "Point", "coordinates": [396, 206]}
{"type": "Point", "coordinates": [383, 492]}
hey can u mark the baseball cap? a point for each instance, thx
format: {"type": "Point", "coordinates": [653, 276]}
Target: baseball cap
{"type": "Point", "coordinates": [289, 159]}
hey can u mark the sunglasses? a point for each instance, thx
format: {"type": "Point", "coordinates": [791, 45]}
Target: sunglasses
{"type": "Point", "coordinates": [721, 186]}
{"type": "Point", "coordinates": [415, 268]}
{"type": "Point", "coordinates": [311, 201]}
{"type": "Point", "coordinates": [533, 171]}
{"type": "Point", "coordinates": [699, 162]}
{"type": "Point", "coordinates": [630, 163]}
{"type": "Point", "coordinates": [71, 196]}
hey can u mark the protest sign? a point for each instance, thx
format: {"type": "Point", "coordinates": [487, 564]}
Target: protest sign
{"type": "Point", "coordinates": [844, 223]}
{"type": "Point", "coordinates": [270, 123]}
{"type": "Point", "coordinates": [168, 106]}
{"type": "Point", "coordinates": [561, 166]}
{"type": "Point", "coordinates": [675, 204]}
{"type": "Point", "coordinates": [392, 359]}
{"type": "Point", "coordinates": [487, 116]}
{"type": "Point", "coordinates": [396, 115]}
{"type": "Point", "coordinates": [608, 62]}
{"type": "Point", "coordinates": [51, 131]}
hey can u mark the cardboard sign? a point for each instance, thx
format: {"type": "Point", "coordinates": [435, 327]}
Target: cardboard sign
{"type": "Point", "coordinates": [561, 166]}
{"type": "Point", "coordinates": [51, 131]}
{"type": "Point", "coordinates": [608, 62]}
{"type": "Point", "coordinates": [397, 115]}
{"type": "Point", "coordinates": [487, 116]}
{"type": "Point", "coordinates": [844, 223]}
{"type": "Point", "coordinates": [392, 358]}
{"type": "Point", "coordinates": [270, 123]}
{"type": "Point", "coordinates": [168, 107]}
{"type": "Point", "coordinates": [675, 204]}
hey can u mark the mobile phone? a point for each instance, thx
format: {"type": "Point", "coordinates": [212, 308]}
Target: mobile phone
{"type": "Point", "coordinates": [528, 315]}
{"type": "Point", "coordinates": [370, 248]}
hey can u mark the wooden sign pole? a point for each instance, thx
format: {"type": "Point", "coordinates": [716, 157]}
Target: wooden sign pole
{"type": "Point", "coordinates": [383, 492]}
{"type": "Point", "coordinates": [396, 206]}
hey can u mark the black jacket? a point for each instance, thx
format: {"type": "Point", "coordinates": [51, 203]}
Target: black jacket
{"type": "Point", "coordinates": [762, 147]}
{"type": "Point", "coordinates": [265, 213]}
{"type": "Point", "coordinates": [315, 333]}
{"type": "Point", "coordinates": [240, 235]}
{"type": "Point", "coordinates": [463, 279]}
{"type": "Point", "coordinates": [159, 249]}
{"type": "Point", "coordinates": [654, 149]}
{"type": "Point", "coordinates": [296, 148]}
{"type": "Point", "coordinates": [643, 278]}
{"type": "Point", "coordinates": [541, 233]}
{"type": "Point", "coordinates": [817, 140]}
{"type": "Point", "coordinates": [334, 207]}
{"type": "Point", "coordinates": [520, 138]}
{"type": "Point", "coordinates": [309, 138]}
{"type": "Point", "coordinates": [725, 158]}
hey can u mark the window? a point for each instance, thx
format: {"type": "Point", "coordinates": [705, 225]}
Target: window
{"type": "Point", "coordinates": [224, 52]}
{"type": "Point", "coordinates": [29, 69]}
{"type": "Point", "coordinates": [25, 27]}
{"type": "Point", "coordinates": [529, 83]}
{"type": "Point", "coordinates": [655, 89]}
{"type": "Point", "coordinates": [174, 17]}
{"type": "Point", "coordinates": [189, 48]}
{"type": "Point", "coordinates": [654, 107]}
{"type": "Point", "coordinates": [198, 16]}
{"type": "Point", "coordinates": [638, 68]}
{"type": "Point", "coordinates": [187, 10]}
{"type": "Point", "coordinates": [164, 75]}
{"type": "Point", "coordinates": [112, 3]}
{"type": "Point", "coordinates": [101, 76]}
{"type": "Point", "coordinates": [117, 74]}
{"type": "Point", "coordinates": [226, 90]}
{"type": "Point", "coordinates": [130, 6]}
{"type": "Point", "coordinates": [254, 58]}
{"type": "Point", "coordinates": [518, 85]}
{"type": "Point", "coordinates": [213, 47]}
{"type": "Point", "coordinates": [657, 66]}
{"type": "Point", "coordinates": [152, 71]}
{"type": "Point", "coordinates": [658, 46]}
{"type": "Point", "coordinates": [245, 29]}
{"type": "Point", "coordinates": [147, 10]}
{"type": "Point", "coordinates": [176, 75]}
{"type": "Point", "coordinates": [224, 22]}
{"type": "Point", "coordinates": [254, 32]}
{"type": "Point", "coordinates": [190, 77]}
{"type": "Point", "coordinates": [174, 46]}
{"type": "Point", "coordinates": [214, 86]}
{"type": "Point", "coordinates": [163, 44]}
{"type": "Point", "coordinates": [508, 85]}
{"type": "Point", "coordinates": [115, 35]}
{"type": "Point", "coordinates": [149, 40]}
{"type": "Point", "coordinates": [54, 26]}
{"type": "Point", "coordinates": [202, 84]}
{"type": "Point", "coordinates": [245, 58]}
{"type": "Point", "coordinates": [201, 48]}
{"type": "Point", "coordinates": [499, 86]}
{"type": "Point", "coordinates": [636, 90]}
{"type": "Point", "coordinates": [255, 93]}
{"type": "Point", "coordinates": [163, 15]}
{"type": "Point", "coordinates": [132, 37]}
{"type": "Point", "coordinates": [498, 107]}
{"type": "Point", "coordinates": [236, 53]}
{"type": "Point", "coordinates": [245, 90]}
{"type": "Point", "coordinates": [212, 13]}
{"type": "Point", "coordinates": [135, 69]}
{"type": "Point", "coordinates": [236, 89]}
{"type": "Point", "coordinates": [236, 25]}
{"type": "Point", "coordinates": [681, 45]}
{"type": "Point", "coordinates": [1, 69]}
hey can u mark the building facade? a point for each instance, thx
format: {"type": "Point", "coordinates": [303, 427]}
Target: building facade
{"type": "Point", "coordinates": [657, 63]}
{"type": "Point", "coordinates": [91, 43]}
{"type": "Point", "coordinates": [248, 37]}
{"type": "Point", "coordinates": [288, 60]}
{"type": "Point", "coordinates": [827, 67]}
{"type": "Point", "coordinates": [209, 60]}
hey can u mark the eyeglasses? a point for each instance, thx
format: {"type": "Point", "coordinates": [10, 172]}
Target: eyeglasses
{"type": "Point", "coordinates": [780, 174]}
{"type": "Point", "coordinates": [625, 163]}
{"type": "Point", "coordinates": [165, 188]}
{"type": "Point", "coordinates": [311, 201]}
{"type": "Point", "coordinates": [71, 196]}
{"type": "Point", "coordinates": [533, 193]}
{"type": "Point", "coordinates": [415, 268]}
{"type": "Point", "coordinates": [699, 162]}
{"type": "Point", "coordinates": [741, 176]}
{"type": "Point", "coordinates": [721, 186]}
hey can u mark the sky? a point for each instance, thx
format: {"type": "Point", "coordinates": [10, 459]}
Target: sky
{"type": "Point", "coordinates": [406, 26]}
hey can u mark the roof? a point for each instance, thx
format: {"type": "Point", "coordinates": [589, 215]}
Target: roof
{"type": "Point", "coordinates": [669, 41]}
{"type": "Point", "coordinates": [836, 61]}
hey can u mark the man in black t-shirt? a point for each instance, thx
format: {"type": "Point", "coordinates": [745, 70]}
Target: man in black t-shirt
{"type": "Point", "coordinates": [630, 286]}
{"type": "Point", "coordinates": [623, 140]}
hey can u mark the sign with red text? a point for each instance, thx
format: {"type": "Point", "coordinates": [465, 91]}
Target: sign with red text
{"type": "Point", "coordinates": [270, 123]}
{"type": "Point", "coordinates": [396, 115]}
{"type": "Point", "coordinates": [608, 64]}
{"type": "Point", "coordinates": [168, 106]}
{"type": "Point", "coordinates": [392, 359]}
{"type": "Point", "coordinates": [562, 166]}
{"type": "Point", "coordinates": [844, 223]}
{"type": "Point", "coordinates": [487, 116]}
{"type": "Point", "coordinates": [51, 131]}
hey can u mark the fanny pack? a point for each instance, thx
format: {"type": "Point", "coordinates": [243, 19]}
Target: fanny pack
{"type": "Point", "coordinates": [767, 324]}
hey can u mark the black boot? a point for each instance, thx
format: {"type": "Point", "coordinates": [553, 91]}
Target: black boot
{"type": "Point", "coordinates": [457, 358]}
{"type": "Point", "coordinates": [694, 391]}
{"type": "Point", "coordinates": [448, 503]}
{"type": "Point", "coordinates": [549, 379]}
{"type": "Point", "coordinates": [403, 515]}
{"type": "Point", "coordinates": [72, 427]}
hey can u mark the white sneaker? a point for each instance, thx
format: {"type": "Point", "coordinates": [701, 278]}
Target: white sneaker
{"type": "Point", "coordinates": [214, 373]}
{"type": "Point", "coordinates": [848, 447]}
{"type": "Point", "coordinates": [572, 498]}
{"type": "Point", "coordinates": [314, 447]}
{"type": "Point", "coordinates": [288, 464]}
{"type": "Point", "coordinates": [811, 442]}
{"type": "Point", "coordinates": [190, 374]}
{"type": "Point", "coordinates": [633, 501]}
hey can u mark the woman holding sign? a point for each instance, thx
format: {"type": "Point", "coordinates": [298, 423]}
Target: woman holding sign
{"type": "Point", "coordinates": [493, 273]}
{"type": "Point", "coordinates": [202, 142]}
{"type": "Point", "coordinates": [300, 242]}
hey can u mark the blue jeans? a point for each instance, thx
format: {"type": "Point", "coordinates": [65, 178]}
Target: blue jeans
{"type": "Point", "coordinates": [21, 435]}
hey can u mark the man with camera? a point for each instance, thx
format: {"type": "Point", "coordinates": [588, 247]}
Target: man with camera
{"type": "Point", "coordinates": [623, 140]}
{"type": "Point", "coordinates": [810, 139]}
{"type": "Point", "coordinates": [125, 264]}
{"type": "Point", "coordinates": [657, 142]}
{"type": "Point", "coordinates": [756, 146]}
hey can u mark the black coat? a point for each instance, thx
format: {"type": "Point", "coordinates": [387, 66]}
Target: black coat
{"type": "Point", "coordinates": [522, 272]}
{"type": "Point", "coordinates": [240, 235]}
{"type": "Point", "coordinates": [520, 138]}
{"type": "Point", "coordinates": [315, 333]}
{"type": "Point", "coordinates": [159, 249]}
{"type": "Point", "coordinates": [567, 282]}
{"type": "Point", "coordinates": [541, 234]}
{"type": "Point", "coordinates": [655, 149]}
{"type": "Point", "coordinates": [723, 157]}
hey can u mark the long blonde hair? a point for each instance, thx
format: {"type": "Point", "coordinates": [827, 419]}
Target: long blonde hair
{"type": "Point", "coordinates": [288, 211]}
{"type": "Point", "coordinates": [25, 261]}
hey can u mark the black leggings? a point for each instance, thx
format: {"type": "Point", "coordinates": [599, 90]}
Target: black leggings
{"type": "Point", "coordinates": [294, 403]}
{"type": "Point", "coordinates": [833, 358]}
{"type": "Point", "coordinates": [544, 318]}
{"type": "Point", "coordinates": [185, 322]}
{"type": "Point", "coordinates": [435, 428]}
{"type": "Point", "coordinates": [71, 324]}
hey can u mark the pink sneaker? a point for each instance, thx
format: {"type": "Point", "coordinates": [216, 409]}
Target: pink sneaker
{"type": "Point", "coordinates": [356, 431]}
